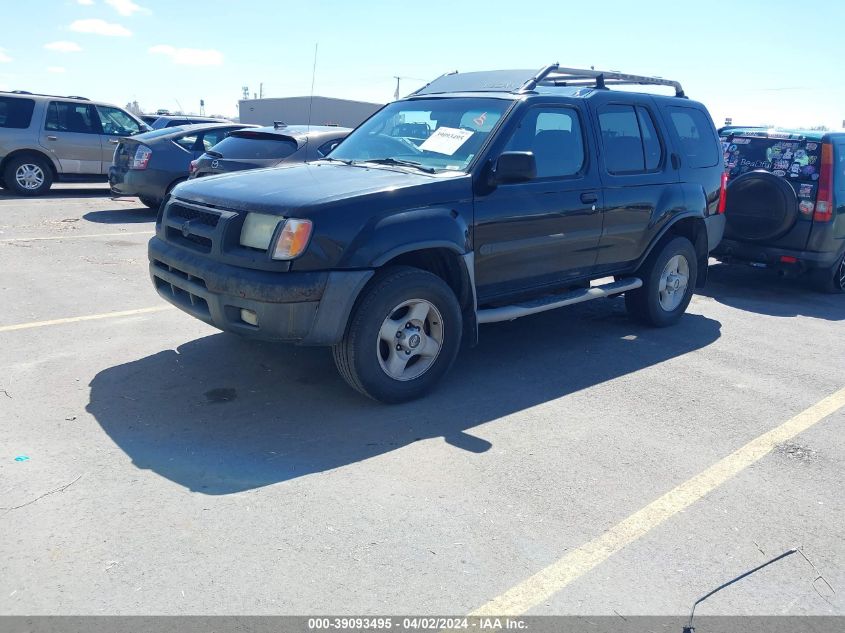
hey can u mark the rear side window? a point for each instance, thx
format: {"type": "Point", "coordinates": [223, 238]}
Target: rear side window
{"type": "Point", "coordinates": [696, 133]}
{"type": "Point", "coordinates": [16, 113]}
{"type": "Point", "coordinates": [652, 148]}
{"type": "Point", "coordinates": [213, 137]}
{"type": "Point", "coordinates": [187, 142]}
{"type": "Point", "coordinates": [258, 146]}
{"type": "Point", "coordinates": [327, 147]}
{"type": "Point", "coordinates": [72, 117]}
{"type": "Point", "coordinates": [630, 139]}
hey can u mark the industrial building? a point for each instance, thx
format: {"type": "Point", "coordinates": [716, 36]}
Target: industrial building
{"type": "Point", "coordinates": [295, 111]}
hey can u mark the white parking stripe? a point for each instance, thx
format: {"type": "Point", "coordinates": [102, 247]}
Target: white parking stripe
{"type": "Point", "coordinates": [90, 317]}
{"type": "Point", "coordinates": [73, 237]}
{"type": "Point", "coordinates": [537, 589]}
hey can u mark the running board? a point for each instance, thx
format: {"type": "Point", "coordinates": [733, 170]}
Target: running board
{"type": "Point", "coordinates": [550, 302]}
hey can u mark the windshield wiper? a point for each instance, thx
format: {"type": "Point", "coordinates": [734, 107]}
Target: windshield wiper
{"type": "Point", "coordinates": [401, 163]}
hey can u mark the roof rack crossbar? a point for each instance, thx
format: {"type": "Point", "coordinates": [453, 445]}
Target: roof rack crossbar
{"type": "Point", "coordinates": [556, 75]}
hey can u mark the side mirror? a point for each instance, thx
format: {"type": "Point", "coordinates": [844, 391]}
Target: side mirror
{"type": "Point", "coordinates": [515, 167]}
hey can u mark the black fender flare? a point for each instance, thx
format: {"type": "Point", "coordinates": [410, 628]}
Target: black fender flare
{"type": "Point", "coordinates": [406, 231]}
{"type": "Point", "coordinates": [699, 241]}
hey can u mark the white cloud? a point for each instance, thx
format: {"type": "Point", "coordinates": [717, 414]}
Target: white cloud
{"type": "Point", "coordinates": [63, 46]}
{"type": "Point", "coordinates": [55, 69]}
{"type": "Point", "coordinates": [99, 27]}
{"type": "Point", "coordinates": [126, 7]}
{"type": "Point", "coordinates": [3, 56]}
{"type": "Point", "coordinates": [86, 3]}
{"type": "Point", "coordinates": [189, 56]}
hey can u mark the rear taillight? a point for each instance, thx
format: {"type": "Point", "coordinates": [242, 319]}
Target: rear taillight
{"type": "Point", "coordinates": [824, 200]}
{"type": "Point", "coordinates": [192, 167]}
{"type": "Point", "coordinates": [723, 194]}
{"type": "Point", "coordinates": [141, 158]}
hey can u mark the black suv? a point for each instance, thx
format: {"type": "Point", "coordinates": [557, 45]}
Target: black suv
{"type": "Point", "coordinates": [481, 197]}
{"type": "Point", "coordinates": [786, 202]}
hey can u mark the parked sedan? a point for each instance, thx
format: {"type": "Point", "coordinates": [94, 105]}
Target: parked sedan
{"type": "Point", "coordinates": [149, 165]}
{"type": "Point", "coordinates": [268, 147]}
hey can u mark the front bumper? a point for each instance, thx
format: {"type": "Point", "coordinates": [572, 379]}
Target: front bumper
{"type": "Point", "coordinates": [770, 256]}
{"type": "Point", "coordinates": [309, 308]}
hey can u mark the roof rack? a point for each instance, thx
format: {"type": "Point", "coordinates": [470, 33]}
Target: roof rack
{"type": "Point", "coordinates": [554, 75]}
{"type": "Point", "coordinates": [38, 94]}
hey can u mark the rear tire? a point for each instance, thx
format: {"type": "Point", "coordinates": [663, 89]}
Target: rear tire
{"type": "Point", "coordinates": [402, 337]}
{"type": "Point", "coordinates": [152, 203]}
{"type": "Point", "coordinates": [669, 275]}
{"type": "Point", "coordinates": [28, 175]}
{"type": "Point", "coordinates": [831, 280]}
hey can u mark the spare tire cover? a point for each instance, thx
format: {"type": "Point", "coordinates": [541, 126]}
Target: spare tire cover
{"type": "Point", "coordinates": [760, 207]}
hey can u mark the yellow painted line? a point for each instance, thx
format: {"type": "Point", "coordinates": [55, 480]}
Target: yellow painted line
{"type": "Point", "coordinates": [73, 237]}
{"type": "Point", "coordinates": [541, 586]}
{"type": "Point", "coordinates": [89, 317]}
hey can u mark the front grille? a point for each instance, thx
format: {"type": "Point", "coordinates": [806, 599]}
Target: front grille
{"type": "Point", "coordinates": [191, 240]}
{"type": "Point", "coordinates": [187, 213]}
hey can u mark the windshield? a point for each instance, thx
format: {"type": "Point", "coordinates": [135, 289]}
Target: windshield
{"type": "Point", "coordinates": [437, 134]}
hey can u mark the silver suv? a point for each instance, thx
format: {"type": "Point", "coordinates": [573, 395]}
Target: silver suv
{"type": "Point", "coordinates": [45, 138]}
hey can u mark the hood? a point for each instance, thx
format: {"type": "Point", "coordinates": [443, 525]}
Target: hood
{"type": "Point", "coordinates": [283, 189]}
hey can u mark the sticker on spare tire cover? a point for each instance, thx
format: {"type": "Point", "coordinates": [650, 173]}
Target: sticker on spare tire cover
{"type": "Point", "coordinates": [784, 158]}
{"type": "Point", "coordinates": [805, 190]}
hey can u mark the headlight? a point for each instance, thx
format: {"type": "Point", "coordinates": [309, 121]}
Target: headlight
{"type": "Point", "coordinates": [258, 229]}
{"type": "Point", "coordinates": [293, 239]}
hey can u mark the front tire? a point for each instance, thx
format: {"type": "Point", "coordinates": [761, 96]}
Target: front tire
{"type": "Point", "coordinates": [669, 275]}
{"type": "Point", "coordinates": [402, 337]}
{"type": "Point", "coordinates": [28, 175]}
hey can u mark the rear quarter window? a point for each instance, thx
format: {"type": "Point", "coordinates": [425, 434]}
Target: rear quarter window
{"type": "Point", "coordinates": [16, 113]}
{"type": "Point", "coordinates": [697, 136]}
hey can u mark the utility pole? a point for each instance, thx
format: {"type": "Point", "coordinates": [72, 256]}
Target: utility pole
{"type": "Point", "coordinates": [245, 92]}
{"type": "Point", "coordinates": [398, 79]}
{"type": "Point", "coordinates": [261, 90]}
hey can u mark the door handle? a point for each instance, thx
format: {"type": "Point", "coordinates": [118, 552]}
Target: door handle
{"type": "Point", "coordinates": [52, 138]}
{"type": "Point", "coordinates": [589, 198]}
{"type": "Point", "coordinates": [114, 141]}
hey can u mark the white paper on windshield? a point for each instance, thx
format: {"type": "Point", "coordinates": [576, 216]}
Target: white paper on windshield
{"type": "Point", "coordinates": [446, 140]}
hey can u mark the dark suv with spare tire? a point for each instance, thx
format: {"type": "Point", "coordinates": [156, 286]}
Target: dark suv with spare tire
{"type": "Point", "coordinates": [786, 202]}
{"type": "Point", "coordinates": [481, 197]}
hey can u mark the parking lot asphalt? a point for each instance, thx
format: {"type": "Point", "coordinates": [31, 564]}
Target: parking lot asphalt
{"type": "Point", "coordinates": [165, 467]}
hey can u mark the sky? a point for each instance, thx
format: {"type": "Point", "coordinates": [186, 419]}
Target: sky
{"type": "Point", "coordinates": [771, 62]}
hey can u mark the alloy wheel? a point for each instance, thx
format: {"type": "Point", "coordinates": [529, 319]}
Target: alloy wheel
{"type": "Point", "coordinates": [673, 283]}
{"type": "Point", "coordinates": [410, 339]}
{"type": "Point", "coordinates": [29, 176]}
